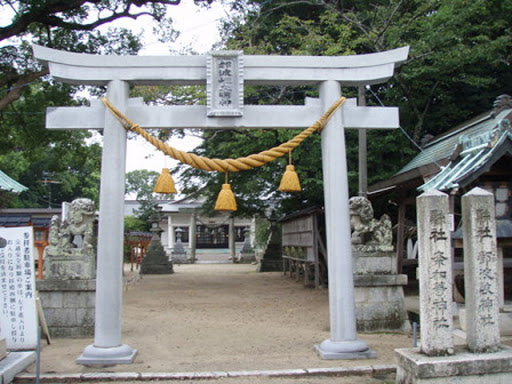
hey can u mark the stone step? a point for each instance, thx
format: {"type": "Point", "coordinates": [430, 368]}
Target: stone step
{"type": "Point", "coordinates": [323, 375]}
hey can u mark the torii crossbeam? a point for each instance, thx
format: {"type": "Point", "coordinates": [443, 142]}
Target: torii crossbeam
{"type": "Point", "coordinates": [225, 109]}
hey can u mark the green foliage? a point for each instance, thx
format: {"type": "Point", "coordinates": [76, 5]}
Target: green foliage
{"type": "Point", "coordinates": [134, 224]}
{"type": "Point", "coordinates": [141, 182]}
{"type": "Point", "coordinates": [33, 155]}
{"type": "Point", "coordinates": [459, 62]}
{"type": "Point", "coordinates": [56, 165]}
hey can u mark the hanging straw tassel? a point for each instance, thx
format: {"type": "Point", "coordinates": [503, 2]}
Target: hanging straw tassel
{"type": "Point", "coordinates": [226, 200]}
{"type": "Point", "coordinates": [165, 183]}
{"type": "Point", "coordinates": [290, 181]}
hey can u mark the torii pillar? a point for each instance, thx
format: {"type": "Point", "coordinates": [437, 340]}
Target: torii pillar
{"type": "Point", "coordinates": [225, 74]}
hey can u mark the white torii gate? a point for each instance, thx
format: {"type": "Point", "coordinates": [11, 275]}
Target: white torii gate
{"type": "Point", "coordinates": [225, 109]}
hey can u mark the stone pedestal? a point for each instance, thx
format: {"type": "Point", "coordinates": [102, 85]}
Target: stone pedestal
{"type": "Point", "coordinates": [74, 264]}
{"type": "Point", "coordinates": [379, 294]}
{"type": "Point", "coordinates": [462, 368]}
{"type": "Point", "coordinates": [68, 306]}
{"type": "Point", "coordinates": [380, 304]}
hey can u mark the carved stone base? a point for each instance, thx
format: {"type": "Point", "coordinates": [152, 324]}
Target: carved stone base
{"type": "Point", "coordinates": [463, 367]}
{"type": "Point", "coordinates": [68, 306]}
{"type": "Point", "coordinates": [101, 357]}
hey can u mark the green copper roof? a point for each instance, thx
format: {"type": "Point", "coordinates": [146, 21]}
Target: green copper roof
{"type": "Point", "coordinates": [443, 147]}
{"type": "Point", "coordinates": [477, 146]}
{"type": "Point", "coordinates": [10, 185]}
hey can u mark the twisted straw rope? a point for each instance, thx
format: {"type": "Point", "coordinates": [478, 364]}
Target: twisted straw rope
{"type": "Point", "coordinates": [226, 165]}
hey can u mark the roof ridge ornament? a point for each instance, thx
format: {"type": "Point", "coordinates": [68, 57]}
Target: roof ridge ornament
{"type": "Point", "coordinates": [502, 102]}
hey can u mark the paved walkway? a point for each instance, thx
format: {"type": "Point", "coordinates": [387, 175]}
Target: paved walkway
{"type": "Point", "coordinates": [223, 323]}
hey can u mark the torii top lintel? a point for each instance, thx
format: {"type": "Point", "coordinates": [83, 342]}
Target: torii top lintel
{"type": "Point", "coordinates": [87, 69]}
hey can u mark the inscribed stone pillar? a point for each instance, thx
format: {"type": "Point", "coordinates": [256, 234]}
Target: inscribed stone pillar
{"type": "Point", "coordinates": [435, 265]}
{"type": "Point", "coordinates": [480, 271]}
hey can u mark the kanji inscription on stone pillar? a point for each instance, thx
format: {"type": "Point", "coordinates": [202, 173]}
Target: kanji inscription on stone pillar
{"type": "Point", "coordinates": [435, 265]}
{"type": "Point", "coordinates": [480, 271]}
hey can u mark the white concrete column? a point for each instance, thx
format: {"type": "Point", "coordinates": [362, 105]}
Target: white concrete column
{"type": "Point", "coordinates": [343, 343]}
{"type": "Point", "coordinates": [108, 348]}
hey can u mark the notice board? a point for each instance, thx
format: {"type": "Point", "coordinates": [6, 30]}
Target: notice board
{"type": "Point", "coordinates": [18, 320]}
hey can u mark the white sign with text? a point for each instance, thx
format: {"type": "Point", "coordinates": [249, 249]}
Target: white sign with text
{"type": "Point", "coordinates": [18, 320]}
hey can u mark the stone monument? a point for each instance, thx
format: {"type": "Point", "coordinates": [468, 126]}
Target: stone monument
{"type": "Point", "coordinates": [68, 292]}
{"type": "Point", "coordinates": [484, 359]}
{"type": "Point", "coordinates": [156, 261]}
{"type": "Point", "coordinates": [247, 254]}
{"type": "Point", "coordinates": [178, 254]}
{"type": "Point", "coordinates": [379, 294]}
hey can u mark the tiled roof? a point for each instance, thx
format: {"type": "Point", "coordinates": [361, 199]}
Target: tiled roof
{"type": "Point", "coordinates": [442, 147]}
{"type": "Point", "coordinates": [479, 146]}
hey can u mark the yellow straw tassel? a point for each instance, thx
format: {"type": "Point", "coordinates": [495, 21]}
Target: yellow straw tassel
{"type": "Point", "coordinates": [226, 200]}
{"type": "Point", "coordinates": [290, 181]}
{"type": "Point", "coordinates": [165, 183]}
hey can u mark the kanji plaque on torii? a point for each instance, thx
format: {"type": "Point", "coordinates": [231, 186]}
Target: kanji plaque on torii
{"type": "Point", "coordinates": [118, 73]}
{"type": "Point", "coordinates": [225, 83]}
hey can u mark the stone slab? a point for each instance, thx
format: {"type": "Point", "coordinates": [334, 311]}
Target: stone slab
{"type": "Point", "coordinates": [373, 370]}
{"type": "Point", "coordinates": [14, 363]}
{"type": "Point", "coordinates": [463, 367]}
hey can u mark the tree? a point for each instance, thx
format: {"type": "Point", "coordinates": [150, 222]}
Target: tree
{"type": "Point", "coordinates": [28, 151]}
{"type": "Point", "coordinates": [141, 182]}
{"type": "Point", "coordinates": [459, 62]}
{"type": "Point", "coordinates": [69, 25]}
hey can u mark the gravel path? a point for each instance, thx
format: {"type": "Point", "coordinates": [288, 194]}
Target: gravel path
{"type": "Point", "coordinates": [224, 317]}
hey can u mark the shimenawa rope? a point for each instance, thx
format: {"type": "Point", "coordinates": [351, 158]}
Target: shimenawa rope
{"type": "Point", "coordinates": [226, 165]}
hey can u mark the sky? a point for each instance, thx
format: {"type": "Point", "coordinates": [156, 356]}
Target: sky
{"type": "Point", "coordinates": [198, 29]}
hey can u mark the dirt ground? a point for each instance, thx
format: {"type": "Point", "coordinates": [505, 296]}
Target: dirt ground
{"type": "Point", "coordinates": [222, 317]}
